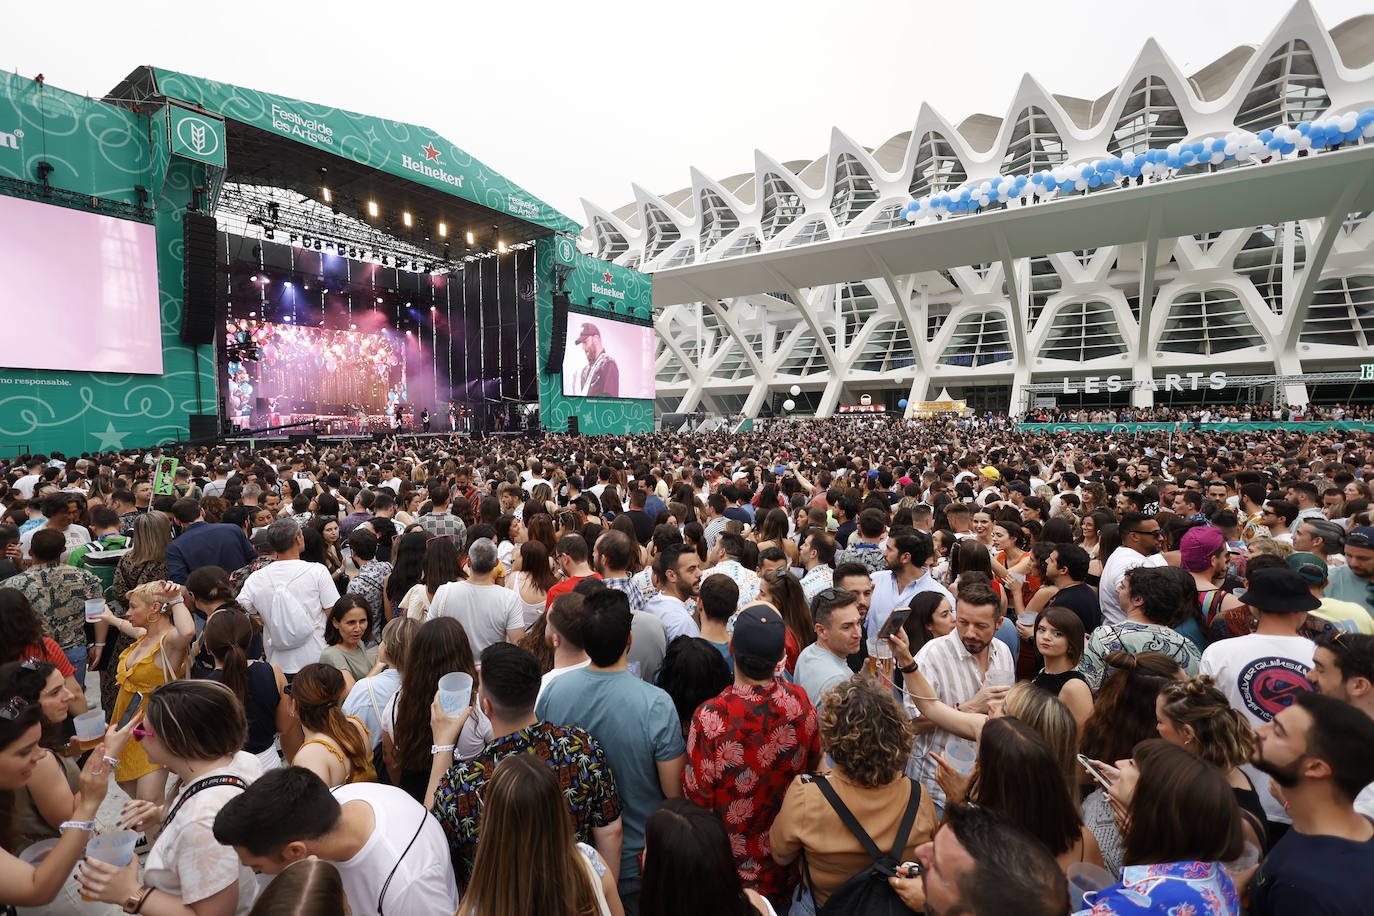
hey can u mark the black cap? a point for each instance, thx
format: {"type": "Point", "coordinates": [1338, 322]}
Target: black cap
{"type": "Point", "coordinates": [1280, 591]}
{"type": "Point", "coordinates": [759, 633]}
{"type": "Point", "coordinates": [588, 330]}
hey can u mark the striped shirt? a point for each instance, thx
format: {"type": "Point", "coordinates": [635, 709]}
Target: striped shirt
{"type": "Point", "coordinates": [954, 675]}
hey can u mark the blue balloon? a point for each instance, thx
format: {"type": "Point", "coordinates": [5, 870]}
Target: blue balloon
{"type": "Point", "coordinates": [1266, 135]}
{"type": "Point", "coordinates": [902, 403]}
{"type": "Point", "coordinates": [1318, 137]}
{"type": "Point", "coordinates": [1173, 162]}
{"type": "Point", "coordinates": [1365, 118]}
{"type": "Point", "coordinates": [1352, 135]}
{"type": "Point", "coordinates": [1287, 148]}
{"type": "Point", "coordinates": [1275, 142]}
{"type": "Point", "coordinates": [1303, 128]}
{"type": "Point", "coordinates": [1219, 145]}
{"type": "Point", "coordinates": [1094, 180]}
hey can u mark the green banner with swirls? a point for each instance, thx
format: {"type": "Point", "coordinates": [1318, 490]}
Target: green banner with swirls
{"type": "Point", "coordinates": [1315, 426]}
{"type": "Point", "coordinates": [409, 151]}
{"type": "Point", "coordinates": [630, 293]}
{"type": "Point", "coordinates": [104, 155]}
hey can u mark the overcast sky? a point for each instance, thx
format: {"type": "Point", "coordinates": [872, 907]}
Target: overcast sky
{"type": "Point", "coordinates": [577, 101]}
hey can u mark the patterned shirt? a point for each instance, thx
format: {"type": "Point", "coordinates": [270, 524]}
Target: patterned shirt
{"type": "Point", "coordinates": [367, 584]}
{"type": "Point", "coordinates": [817, 579]}
{"type": "Point", "coordinates": [1193, 888]}
{"type": "Point", "coordinates": [1135, 638]}
{"type": "Point", "coordinates": [743, 750]}
{"type": "Point", "coordinates": [58, 594]}
{"type": "Point", "coordinates": [241, 575]}
{"type": "Point", "coordinates": [748, 581]}
{"type": "Point", "coordinates": [631, 589]}
{"type": "Point", "coordinates": [576, 757]}
{"type": "Point", "coordinates": [439, 524]}
{"type": "Point", "coordinates": [712, 531]}
{"type": "Point", "coordinates": [870, 555]}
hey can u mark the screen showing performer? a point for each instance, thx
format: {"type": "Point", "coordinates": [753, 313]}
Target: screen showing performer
{"type": "Point", "coordinates": [608, 359]}
{"type": "Point", "coordinates": [305, 372]}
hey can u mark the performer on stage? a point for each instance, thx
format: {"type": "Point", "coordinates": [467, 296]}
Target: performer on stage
{"type": "Point", "coordinates": [452, 417]}
{"type": "Point", "coordinates": [601, 377]}
{"type": "Point", "coordinates": [424, 418]}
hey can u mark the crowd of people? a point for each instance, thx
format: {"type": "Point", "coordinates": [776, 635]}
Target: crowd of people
{"type": "Point", "coordinates": [831, 666]}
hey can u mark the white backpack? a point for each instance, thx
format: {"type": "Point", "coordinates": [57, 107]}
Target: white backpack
{"type": "Point", "coordinates": [288, 623]}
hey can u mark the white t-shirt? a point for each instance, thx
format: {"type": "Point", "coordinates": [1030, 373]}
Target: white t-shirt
{"type": "Point", "coordinates": [421, 878]}
{"type": "Point", "coordinates": [311, 586]}
{"type": "Point", "coordinates": [187, 861]}
{"type": "Point", "coordinates": [75, 534]}
{"type": "Point", "coordinates": [1260, 675]}
{"type": "Point", "coordinates": [485, 611]}
{"type": "Point", "coordinates": [26, 484]}
{"type": "Point", "coordinates": [554, 673]}
{"type": "Point", "coordinates": [1122, 561]}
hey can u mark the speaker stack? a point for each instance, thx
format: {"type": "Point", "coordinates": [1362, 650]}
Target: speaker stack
{"type": "Point", "coordinates": [558, 337]}
{"type": "Point", "coordinates": [198, 278]}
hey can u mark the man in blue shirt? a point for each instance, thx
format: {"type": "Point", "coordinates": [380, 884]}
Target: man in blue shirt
{"type": "Point", "coordinates": [906, 576]}
{"type": "Point", "coordinates": [636, 724]}
{"type": "Point", "coordinates": [202, 544]}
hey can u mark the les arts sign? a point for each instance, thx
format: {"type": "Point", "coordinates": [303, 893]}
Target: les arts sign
{"type": "Point", "coordinates": [1187, 381]}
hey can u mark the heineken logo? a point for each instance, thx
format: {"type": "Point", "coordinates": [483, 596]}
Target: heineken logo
{"type": "Point", "coordinates": [607, 291]}
{"type": "Point", "coordinates": [438, 173]}
{"type": "Point", "coordinates": [607, 276]}
{"type": "Point", "coordinates": [431, 154]}
{"type": "Point", "coordinates": [10, 140]}
{"type": "Point", "coordinates": [198, 135]}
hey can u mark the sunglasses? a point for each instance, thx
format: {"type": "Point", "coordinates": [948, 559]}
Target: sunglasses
{"type": "Point", "coordinates": [438, 537]}
{"type": "Point", "coordinates": [12, 709]}
{"type": "Point", "coordinates": [140, 732]}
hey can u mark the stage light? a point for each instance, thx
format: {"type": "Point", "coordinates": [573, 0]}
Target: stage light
{"type": "Point", "coordinates": [379, 300]}
{"type": "Point", "coordinates": [443, 229]}
{"type": "Point", "coordinates": [470, 238]}
{"type": "Point", "coordinates": [353, 327]}
{"type": "Point", "coordinates": [371, 208]}
{"type": "Point", "coordinates": [328, 198]}
{"type": "Point", "coordinates": [295, 240]}
{"type": "Point", "coordinates": [318, 245]}
{"type": "Point", "coordinates": [500, 246]}
{"type": "Point", "coordinates": [405, 218]}
{"type": "Point", "coordinates": [270, 234]}
{"type": "Point", "coordinates": [273, 211]}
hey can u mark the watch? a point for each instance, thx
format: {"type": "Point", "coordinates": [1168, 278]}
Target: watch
{"type": "Point", "coordinates": [137, 899]}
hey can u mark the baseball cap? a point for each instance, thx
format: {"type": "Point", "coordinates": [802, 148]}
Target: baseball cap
{"type": "Point", "coordinates": [588, 330]}
{"type": "Point", "coordinates": [1280, 590]}
{"type": "Point", "coordinates": [1362, 536]}
{"type": "Point", "coordinates": [759, 633]}
{"type": "Point", "coordinates": [904, 481]}
{"type": "Point", "coordinates": [1198, 547]}
{"type": "Point", "coordinates": [1308, 565]}
{"type": "Point", "coordinates": [991, 473]}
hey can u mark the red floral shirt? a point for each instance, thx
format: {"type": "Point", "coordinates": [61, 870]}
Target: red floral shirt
{"type": "Point", "coordinates": [743, 751]}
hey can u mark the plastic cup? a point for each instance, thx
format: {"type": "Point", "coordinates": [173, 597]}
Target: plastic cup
{"type": "Point", "coordinates": [32, 855]}
{"type": "Point", "coordinates": [999, 678]}
{"type": "Point", "coordinates": [1086, 878]}
{"type": "Point", "coordinates": [455, 692]}
{"type": "Point", "coordinates": [1026, 618]}
{"type": "Point", "coordinates": [113, 846]}
{"type": "Point", "coordinates": [961, 755]}
{"type": "Point", "coordinates": [90, 728]}
{"type": "Point", "coordinates": [95, 609]}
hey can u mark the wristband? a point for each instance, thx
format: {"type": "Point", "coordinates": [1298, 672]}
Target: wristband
{"type": "Point", "coordinates": [112, 761]}
{"type": "Point", "coordinates": [97, 645]}
{"type": "Point", "coordinates": [441, 749]}
{"type": "Point", "coordinates": [88, 826]}
{"type": "Point", "coordinates": [136, 900]}
{"type": "Point", "coordinates": [910, 670]}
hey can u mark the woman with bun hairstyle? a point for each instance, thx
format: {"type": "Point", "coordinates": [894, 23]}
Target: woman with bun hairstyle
{"type": "Point", "coordinates": [337, 748]}
{"type": "Point", "coordinates": [1196, 714]}
{"type": "Point", "coordinates": [260, 686]}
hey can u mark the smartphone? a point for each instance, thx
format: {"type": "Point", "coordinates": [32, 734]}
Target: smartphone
{"type": "Point", "coordinates": [894, 622]}
{"type": "Point", "coordinates": [1090, 765]}
{"type": "Point", "coordinates": [131, 711]}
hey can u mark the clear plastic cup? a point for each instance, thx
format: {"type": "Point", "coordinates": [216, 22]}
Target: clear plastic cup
{"type": "Point", "coordinates": [1026, 618]}
{"type": "Point", "coordinates": [95, 609]}
{"type": "Point", "coordinates": [961, 755]}
{"type": "Point", "coordinates": [1249, 855]}
{"type": "Point", "coordinates": [455, 692]}
{"type": "Point", "coordinates": [996, 677]}
{"type": "Point", "coordinates": [1086, 878]}
{"type": "Point", "coordinates": [90, 728]}
{"type": "Point", "coordinates": [113, 846]}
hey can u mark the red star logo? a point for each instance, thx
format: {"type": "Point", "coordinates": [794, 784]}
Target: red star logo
{"type": "Point", "coordinates": [430, 152]}
{"type": "Point", "coordinates": [606, 276]}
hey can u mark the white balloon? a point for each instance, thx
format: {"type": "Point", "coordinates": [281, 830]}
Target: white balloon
{"type": "Point", "coordinates": [796, 390]}
{"type": "Point", "coordinates": [1347, 123]}
{"type": "Point", "coordinates": [788, 404]}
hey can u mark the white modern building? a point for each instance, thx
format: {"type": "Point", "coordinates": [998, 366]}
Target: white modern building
{"type": "Point", "coordinates": [805, 273]}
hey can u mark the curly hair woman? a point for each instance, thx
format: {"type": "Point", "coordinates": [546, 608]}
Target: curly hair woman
{"type": "Point", "coordinates": [867, 736]}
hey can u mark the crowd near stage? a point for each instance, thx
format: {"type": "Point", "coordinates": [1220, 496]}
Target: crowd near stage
{"type": "Point", "coordinates": [253, 266]}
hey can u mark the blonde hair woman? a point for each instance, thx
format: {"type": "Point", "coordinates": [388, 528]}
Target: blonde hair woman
{"type": "Point", "coordinates": [162, 629]}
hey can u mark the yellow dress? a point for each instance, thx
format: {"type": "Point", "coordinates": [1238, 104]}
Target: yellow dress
{"type": "Point", "coordinates": [143, 677]}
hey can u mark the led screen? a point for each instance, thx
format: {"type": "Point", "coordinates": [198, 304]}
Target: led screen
{"type": "Point", "coordinates": [308, 372]}
{"type": "Point", "coordinates": [94, 275]}
{"type": "Point", "coordinates": [608, 359]}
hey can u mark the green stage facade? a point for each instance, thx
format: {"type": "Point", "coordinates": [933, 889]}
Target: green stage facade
{"type": "Point", "coordinates": [143, 162]}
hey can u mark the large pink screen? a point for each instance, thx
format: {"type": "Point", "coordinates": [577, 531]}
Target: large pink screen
{"type": "Point", "coordinates": [628, 348]}
{"type": "Point", "coordinates": [95, 276]}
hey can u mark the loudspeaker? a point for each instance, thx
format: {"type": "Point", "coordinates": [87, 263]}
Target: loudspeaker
{"type": "Point", "coordinates": [203, 425]}
{"type": "Point", "coordinates": [558, 336]}
{"type": "Point", "coordinates": [198, 279]}
{"type": "Point", "coordinates": [573, 427]}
